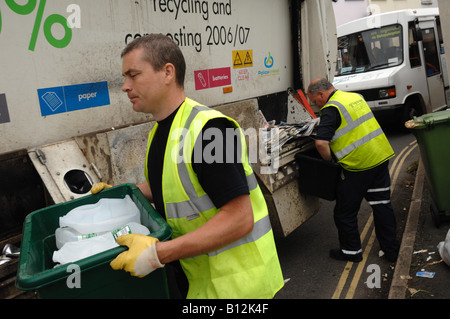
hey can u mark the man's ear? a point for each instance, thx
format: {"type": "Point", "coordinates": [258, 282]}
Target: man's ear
{"type": "Point", "coordinates": [169, 72]}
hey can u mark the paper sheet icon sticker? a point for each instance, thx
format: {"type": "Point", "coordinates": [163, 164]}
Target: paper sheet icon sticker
{"type": "Point", "coordinates": [52, 100]}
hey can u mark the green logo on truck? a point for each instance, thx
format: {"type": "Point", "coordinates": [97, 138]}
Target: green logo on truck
{"type": "Point", "coordinates": [41, 21]}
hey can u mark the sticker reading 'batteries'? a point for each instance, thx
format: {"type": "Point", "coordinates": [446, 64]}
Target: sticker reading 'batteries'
{"type": "Point", "coordinates": [205, 79]}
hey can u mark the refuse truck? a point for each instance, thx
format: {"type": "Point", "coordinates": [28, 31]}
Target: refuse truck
{"type": "Point", "coordinates": [66, 124]}
{"type": "Point", "coordinates": [397, 61]}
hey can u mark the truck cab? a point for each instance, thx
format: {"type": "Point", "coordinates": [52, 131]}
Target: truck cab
{"type": "Point", "coordinates": [396, 61]}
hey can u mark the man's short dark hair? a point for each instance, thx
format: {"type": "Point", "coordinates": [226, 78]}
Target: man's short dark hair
{"type": "Point", "coordinates": [320, 85]}
{"type": "Point", "coordinates": [160, 50]}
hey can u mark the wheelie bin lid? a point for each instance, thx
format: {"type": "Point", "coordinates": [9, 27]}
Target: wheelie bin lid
{"type": "Point", "coordinates": [429, 120]}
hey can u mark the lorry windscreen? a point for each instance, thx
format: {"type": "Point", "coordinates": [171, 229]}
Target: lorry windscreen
{"type": "Point", "coordinates": [370, 50]}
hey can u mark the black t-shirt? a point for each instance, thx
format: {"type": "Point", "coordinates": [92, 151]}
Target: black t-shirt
{"type": "Point", "coordinates": [330, 120]}
{"type": "Point", "coordinates": [221, 180]}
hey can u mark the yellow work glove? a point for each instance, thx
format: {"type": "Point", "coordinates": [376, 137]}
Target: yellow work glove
{"type": "Point", "coordinates": [97, 188]}
{"type": "Point", "coordinates": [141, 257]}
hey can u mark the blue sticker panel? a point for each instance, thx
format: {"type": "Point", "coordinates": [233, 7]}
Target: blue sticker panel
{"type": "Point", "coordinates": [52, 101]}
{"type": "Point", "coordinates": [73, 98]}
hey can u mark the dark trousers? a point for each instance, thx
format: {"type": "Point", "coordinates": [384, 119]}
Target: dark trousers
{"type": "Point", "coordinates": [374, 186]}
{"type": "Point", "coordinates": [176, 280]}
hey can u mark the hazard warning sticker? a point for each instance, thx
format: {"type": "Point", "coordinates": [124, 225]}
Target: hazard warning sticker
{"type": "Point", "coordinates": [242, 59]}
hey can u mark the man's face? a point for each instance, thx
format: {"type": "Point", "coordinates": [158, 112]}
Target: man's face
{"type": "Point", "coordinates": [318, 98]}
{"type": "Point", "coordinates": [144, 86]}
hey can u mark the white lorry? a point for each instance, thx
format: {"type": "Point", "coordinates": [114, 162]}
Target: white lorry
{"type": "Point", "coordinates": [396, 60]}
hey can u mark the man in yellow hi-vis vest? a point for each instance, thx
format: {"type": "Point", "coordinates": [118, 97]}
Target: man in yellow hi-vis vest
{"type": "Point", "coordinates": [349, 131]}
{"type": "Point", "coordinates": [222, 235]}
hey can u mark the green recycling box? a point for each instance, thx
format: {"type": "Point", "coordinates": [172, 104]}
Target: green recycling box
{"type": "Point", "coordinates": [96, 279]}
{"type": "Point", "coordinates": [432, 132]}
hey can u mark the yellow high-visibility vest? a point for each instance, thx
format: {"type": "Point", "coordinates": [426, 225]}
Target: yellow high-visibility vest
{"type": "Point", "coordinates": [247, 268]}
{"type": "Point", "coordinates": [359, 143]}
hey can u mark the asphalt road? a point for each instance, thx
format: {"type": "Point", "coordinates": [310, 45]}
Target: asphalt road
{"type": "Point", "coordinates": [308, 270]}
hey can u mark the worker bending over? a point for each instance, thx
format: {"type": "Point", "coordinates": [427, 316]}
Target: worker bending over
{"type": "Point", "coordinates": [349, 131]}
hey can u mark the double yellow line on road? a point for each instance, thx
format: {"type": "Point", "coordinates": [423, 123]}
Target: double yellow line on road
{"type": "Point", "coordinates": [394, 171]}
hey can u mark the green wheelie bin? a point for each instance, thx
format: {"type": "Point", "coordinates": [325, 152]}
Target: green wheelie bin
{"type": "Point", "coordinates": [432, 132]}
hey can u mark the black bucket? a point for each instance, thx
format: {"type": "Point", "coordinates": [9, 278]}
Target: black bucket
{"type": "Point", "coordinates": [317, 177]}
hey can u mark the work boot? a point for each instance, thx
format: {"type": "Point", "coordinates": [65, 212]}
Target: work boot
{"type": "Point", "coordinates": [339, 255]}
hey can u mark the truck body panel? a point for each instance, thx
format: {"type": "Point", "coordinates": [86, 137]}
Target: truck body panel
{"type": "Point", "coordinates": [55, 93]}
{"type": "Point", "coordinates": [62, 108]}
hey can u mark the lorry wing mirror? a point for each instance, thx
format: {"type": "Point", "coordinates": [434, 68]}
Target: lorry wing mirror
{"type": "Point", "coordinates": [417, 33]}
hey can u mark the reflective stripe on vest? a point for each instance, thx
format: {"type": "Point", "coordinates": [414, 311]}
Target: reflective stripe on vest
{"type": "Point", "coordinates": [260, 228]}
{"type": "Point", "coordinates": [192, 208]}
{"type": "Point", "coordinates": [195, 204]}
{"type": "Point", "coordinates": [351, 125]}
{"type": "Point", "coordinates": [359, 143]}
{"type": "Point", "coordinates": [246, 268]}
